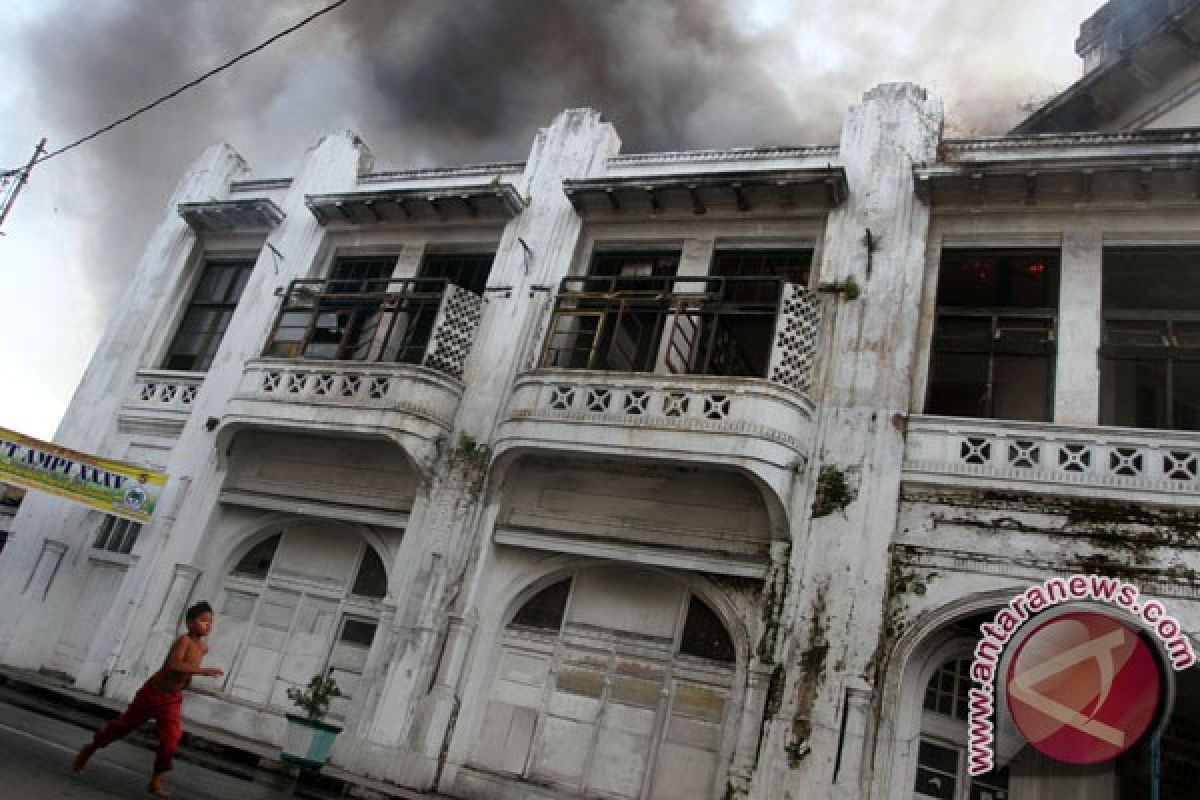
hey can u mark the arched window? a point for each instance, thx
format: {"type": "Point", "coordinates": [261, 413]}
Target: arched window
{"type": "Point", "coordinates": [371, 580]}
{"type": "Point", "coordinates": [544, 611]}
{"type": "Point", "coordinates": [942, 752]}
{"type": "Point", "coordinates": [704, 636]}
{"type": "Point", "coordinates": [257, 561]}
{"type": "Point", "coordinates": [613, 666]}
{"type": "Point", "coordinates": [302, 602]}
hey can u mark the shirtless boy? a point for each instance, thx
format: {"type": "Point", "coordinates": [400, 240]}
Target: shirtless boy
{"type": "Point", "coordinates": [161, 698]}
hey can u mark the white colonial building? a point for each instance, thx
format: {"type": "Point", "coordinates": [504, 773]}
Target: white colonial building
{"type": "Point", "coordinates": [675, 475]}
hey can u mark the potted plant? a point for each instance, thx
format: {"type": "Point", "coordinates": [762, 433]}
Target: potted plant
{"type": "Point", "coordinates": [309, 739]}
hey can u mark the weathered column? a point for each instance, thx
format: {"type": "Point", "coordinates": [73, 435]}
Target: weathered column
{"type": "Point", "coordinates": [842, 523]}
{"type": "Point", "coordinates": [146, 303]}
{"type": "Point", "coordinates": [1080, 326]}
{"type": "Point", "coordinates": [166, 624]}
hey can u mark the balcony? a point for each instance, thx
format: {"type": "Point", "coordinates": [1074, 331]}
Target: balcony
{"type": "Point", "coordinates": [1139, 464]}
{"type": "Point", "coordinates": [709, 370]}
{"type": "Point", "coordinates": [160, 403]}
{"type": "Point", "coordinates": [373, 359]}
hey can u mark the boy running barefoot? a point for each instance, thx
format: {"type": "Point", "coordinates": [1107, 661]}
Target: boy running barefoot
{"type": "Point", "coordinates": [161, 698]}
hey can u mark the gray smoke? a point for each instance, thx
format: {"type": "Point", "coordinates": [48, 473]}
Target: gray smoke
{"type": "Point", "coordinates": [453, 81]}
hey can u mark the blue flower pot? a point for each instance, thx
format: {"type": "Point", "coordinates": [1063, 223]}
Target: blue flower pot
{"type": "Point", "coordinates": [308, 741]}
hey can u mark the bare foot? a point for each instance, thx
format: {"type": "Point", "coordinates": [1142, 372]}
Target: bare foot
{"type": "Point", "coordinates": [81, 758]}
{"type": "Point", "coordinates": [156, 788]}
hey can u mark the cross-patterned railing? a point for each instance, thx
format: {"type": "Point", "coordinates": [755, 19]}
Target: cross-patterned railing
{"type": "Point", "coordinates": [1022, 451]}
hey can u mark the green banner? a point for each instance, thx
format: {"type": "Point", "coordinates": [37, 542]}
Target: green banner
{"type": "Point", "coordinates": [126, 490]}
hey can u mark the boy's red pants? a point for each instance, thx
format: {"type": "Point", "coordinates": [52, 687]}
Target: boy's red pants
{"type": "Point", "coordinates": [149, 703]}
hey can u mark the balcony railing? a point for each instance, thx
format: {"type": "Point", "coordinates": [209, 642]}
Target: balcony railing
{"type": "Point", "coordinates": [726, 326]}
{"type": "Point", "coordinates": [412, 321]}
{"type": "Point", "coordinates": [961, 451]}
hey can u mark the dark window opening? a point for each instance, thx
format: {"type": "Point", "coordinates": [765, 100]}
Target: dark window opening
{"type": "Point", "coordinates": [207, 316]}
{"type": "Point", "coordinates": [467, 270]}
{"type": "Point", "coordinates": [545, 609]}
{"type": "Point", "coordinates": [633, 313]}
{"type": "Point", "coordinates": [994, 339]}
{"type": "Point", "coordinates": [704, 636]}
{"type": "Point", "coordinates": [371, 580]}
{"type": "Point", "coordinates": [257, 561]}
{"type": "Point", "coordinates": [358, 632]}
{"type": "Point", "coordinates": [362, 314]}
{"type": "Point", "coordinates": [117, 535]}
{"type": "Point", "coordinates": [1150, 356]}
{"type": "Point", "coordinates": [947, 690]}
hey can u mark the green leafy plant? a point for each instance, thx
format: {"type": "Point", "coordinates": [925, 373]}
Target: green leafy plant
{"type": "Point", "coordinates": [314, 699]}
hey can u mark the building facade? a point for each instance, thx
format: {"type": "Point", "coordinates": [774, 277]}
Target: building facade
{"type": "Point", "coordinates": [677, 475]}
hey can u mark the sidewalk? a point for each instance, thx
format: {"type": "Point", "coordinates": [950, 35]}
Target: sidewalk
{"type": "Point", "coordinates": [221, 752]}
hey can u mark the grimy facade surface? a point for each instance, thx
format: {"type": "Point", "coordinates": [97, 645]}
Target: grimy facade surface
{"type": "Point", "coordinates": [677, 475]}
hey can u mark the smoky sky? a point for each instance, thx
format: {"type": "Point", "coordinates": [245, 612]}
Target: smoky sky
{"type": "Point", "coordinates": [457, 81]}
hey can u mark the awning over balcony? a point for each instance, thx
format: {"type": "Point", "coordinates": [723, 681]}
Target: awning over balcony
{"type": "Point", "coordinates": [253, 215]}
{"type": "Point", "coordinates": [498, 202]}
{"type": "Point", "coordinates": [1158, 167]}
{"type": "Point", "coordinates": [815, 189]}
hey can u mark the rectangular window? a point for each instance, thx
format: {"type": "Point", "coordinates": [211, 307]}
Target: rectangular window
{"type": "Point", "coordinates": [117, 535]}
{"type": "Point", "coordinates": [362, 313]}
{"type": "Point", "coordinates": [208, 313]}
{"type": "Point", "coordinates": [1150, 356]}
{"type": "Point", "coordinates": [616, 314]}
{"type": "Point", "coordinates": [994, 337]}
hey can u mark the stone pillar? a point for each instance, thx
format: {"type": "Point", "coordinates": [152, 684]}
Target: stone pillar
{"type": "Point", "coordinates": [535, 249]}
{"type": "Point", "coordinates": [1080, 327]}
{"type": "Point", "coordinates": [745, 754]}
{"type": "Point", "coordinates": [840, 559]}
{"type": "Point", "coordinates": [167, 623]}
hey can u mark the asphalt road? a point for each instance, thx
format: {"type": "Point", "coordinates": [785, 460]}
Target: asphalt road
{"type": "Point", "coordinates": [35, 763]}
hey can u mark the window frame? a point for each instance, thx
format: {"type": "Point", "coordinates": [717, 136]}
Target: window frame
{"type": "Point", "coordinates": [1001, 319]}
{"type": "Point", "coordinates": [247, 262]}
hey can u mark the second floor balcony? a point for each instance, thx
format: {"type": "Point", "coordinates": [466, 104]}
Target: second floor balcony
{"type": "Point", "coordinates": [705, 369]}
{"type": "Point", "coordinates": [367, 358]}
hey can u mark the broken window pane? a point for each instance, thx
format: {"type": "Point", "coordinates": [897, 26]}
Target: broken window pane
{"type": "Point", "coordinates": [704, 635]}
{"type": "Point", "coordinates": [257, 561]}
{"type": "Point", "coordinates": [1151, 344]}
{"type": "Point", "coordinates": [546, 608]}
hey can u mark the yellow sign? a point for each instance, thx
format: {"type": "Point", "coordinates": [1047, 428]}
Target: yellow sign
{"type": "Point", "coordinates": [115, 487]}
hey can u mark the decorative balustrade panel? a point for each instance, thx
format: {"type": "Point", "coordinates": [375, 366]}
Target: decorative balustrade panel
{"type": "Point", "coordinates": [454, 331]}
{"type": "Point", "coordinates": [1101, 457]}
{"type": "Point", "coordinates": [747, 407]}
{"type": "Point", "coordinates": [794, 352]}
{"type": "Point", "coordinates": [321, 385]}
{"type": "Point", "coordinates": [165, 391]}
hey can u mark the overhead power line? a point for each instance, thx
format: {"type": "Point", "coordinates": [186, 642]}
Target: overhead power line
{"type": "Point", "coordinates": [189, 84]}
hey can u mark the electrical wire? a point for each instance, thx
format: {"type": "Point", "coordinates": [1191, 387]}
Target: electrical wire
{"type": "Point", "coordinates": [331, 7]}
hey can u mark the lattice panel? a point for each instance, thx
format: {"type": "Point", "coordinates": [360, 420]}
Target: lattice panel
{"type": "Point", "coordinates": [793, 355]}
{"type": "Point", "coordinates": [457, 321]}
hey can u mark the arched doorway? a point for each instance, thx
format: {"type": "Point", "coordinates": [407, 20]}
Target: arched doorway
{"type": "Point", "coordinates": [303, 600]}
{"type": "Point", "coordinates": [614, 682]}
